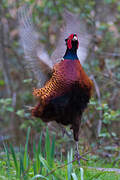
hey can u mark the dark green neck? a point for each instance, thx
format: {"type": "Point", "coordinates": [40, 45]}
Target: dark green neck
{"type": "Point", "coordinates": [71, 54]}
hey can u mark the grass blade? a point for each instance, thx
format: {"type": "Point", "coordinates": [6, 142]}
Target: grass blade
{"type": "Point", "coordinates": [39, 176]}
{"type": "Point", "coordinates": [35, 159]}
{"type": "Point", "coordinates": [39, 145]}
{"type": "Point", "coordinates": [69, 167]}
{"type": "Point", "coordinates": [14, 158]}
{"type": "Point", "coordinates": [26, 157]}
{"type": "Point", "coordinates": [39, 152]}
{"type": "Point", "coordinates": [21, 157]}
{"type": "Point", "coordinates": [47, 147]}
{"type": "Point", "coordinates": [74, 176]}
{"type": "Point", "coordinates": [82, 173]}
{"type": "Point", "coordinates": [8, 159]}
{"type": "Point", "coordinates": [44, 162]}
{"type": "Point", "coordinates": [52, 153]}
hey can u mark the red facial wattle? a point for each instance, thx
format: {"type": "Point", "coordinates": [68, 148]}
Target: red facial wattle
{"type": "Point", "coordinates": [69, 41]}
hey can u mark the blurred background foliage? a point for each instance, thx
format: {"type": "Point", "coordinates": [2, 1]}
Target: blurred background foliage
{"type": "Point", "coordinates": [101, 121]}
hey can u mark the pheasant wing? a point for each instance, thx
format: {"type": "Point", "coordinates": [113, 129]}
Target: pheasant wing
{"type": "Point", "coordinates": [36, 58]}
{"type": "Point", "coordinates": [73, 24]}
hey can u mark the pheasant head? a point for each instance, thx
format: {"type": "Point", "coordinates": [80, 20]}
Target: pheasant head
{"type": "Point", "coordinates": [72, 41]}
{"type": "Point", "coordinates": [72, 44]}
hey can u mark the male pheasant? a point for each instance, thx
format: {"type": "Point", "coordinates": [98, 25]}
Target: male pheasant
{"type": "Point", "coordinates": [65, 96]}
{"type": "Point", "coordinates": [66, 90]}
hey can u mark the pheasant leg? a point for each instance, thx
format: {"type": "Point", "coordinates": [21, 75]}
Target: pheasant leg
{"type": "Point", "coordinates": [77, 155]}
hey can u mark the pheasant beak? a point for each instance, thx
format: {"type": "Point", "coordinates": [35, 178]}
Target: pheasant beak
{"type": "Point", "coordinates": [75, 38]}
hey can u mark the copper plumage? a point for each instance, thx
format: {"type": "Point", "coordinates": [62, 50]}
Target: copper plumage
{"type": "Point", "coordinates": [65, 96]}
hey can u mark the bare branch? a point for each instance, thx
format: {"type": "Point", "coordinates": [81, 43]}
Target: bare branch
{"type": "Point", "coordinates": [99, 126]}
{"type": "Point", "coordinates": [3, 57]}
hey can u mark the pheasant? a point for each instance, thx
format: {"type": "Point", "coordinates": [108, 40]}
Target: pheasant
{"type": "Point", "coordinates": [66, 89]}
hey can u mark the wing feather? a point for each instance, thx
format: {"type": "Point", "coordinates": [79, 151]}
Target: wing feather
{"type": "Point", "coordinates": [36, 58]}
{"type": "Point", "coordinates": [73, 24]}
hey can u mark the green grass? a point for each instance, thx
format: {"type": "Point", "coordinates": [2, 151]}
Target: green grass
{"type": "Point", "coordinates": [44, 165]}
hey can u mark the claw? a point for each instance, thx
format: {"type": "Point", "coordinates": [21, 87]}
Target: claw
{"type": "Point", "coordinates": [77, 155]}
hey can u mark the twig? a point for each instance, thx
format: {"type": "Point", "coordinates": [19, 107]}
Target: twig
{"type": "Point", "coordinates": [101, 169]}
{"type": "Point", "coordinates": [114, 54]}
{"type": "Point", "coordinates": [55, 5]}
{"type": "Point", "coordinates": [99, 102]}
{"type": "Point", "coordinates": [3, 56]}
{"type": "Point", "coordinates": [59, 167]}
{"type": "Point", "coordinates": [106, 169]}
